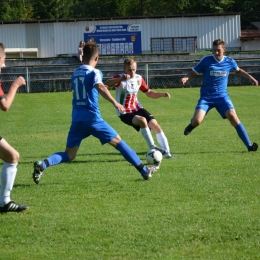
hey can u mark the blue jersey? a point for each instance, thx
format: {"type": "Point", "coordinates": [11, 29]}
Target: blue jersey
{"type": "Point", "coordinates": [215, 75]}
{"type": "Point", "coordinates": [85, 95]}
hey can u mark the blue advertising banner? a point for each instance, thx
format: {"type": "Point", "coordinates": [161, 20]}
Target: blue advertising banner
{"type": "Point", "coordinates": [116, 39]}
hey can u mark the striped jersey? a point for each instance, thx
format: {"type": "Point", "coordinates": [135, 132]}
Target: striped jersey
{"type": "Point", "coordinates": [127, 91]}
{"type": "Point", "coordinates": [2, 94]}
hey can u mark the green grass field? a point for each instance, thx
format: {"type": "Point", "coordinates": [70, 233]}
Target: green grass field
{"type": "Point", "coordinates": [203, 205]}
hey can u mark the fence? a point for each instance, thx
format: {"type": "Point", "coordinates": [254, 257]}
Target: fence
{"type": "Point", "coordinates": [52, 78]}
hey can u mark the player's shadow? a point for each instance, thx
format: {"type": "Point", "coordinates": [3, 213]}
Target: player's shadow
{"type": "Point", "coordinates": [88, 157]}
{"type": "Point", "coordinates": [212, 152]}
{"type": "Point", "coordinates": [23, 185]}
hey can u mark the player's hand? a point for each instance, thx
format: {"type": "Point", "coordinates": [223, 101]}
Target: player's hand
{"type": "Point", "coordinates": [126, 76]}
{"type": "Point", "coordinates": [254, 81]}
{"type": "Point", "coordinates": [166, 94]}
{"type": "Point", "coordinates": [120, 108]}
{"type": "Point", "coordinates": [183, 80]}
{"type": "Point", "coordinates": [20, 81]}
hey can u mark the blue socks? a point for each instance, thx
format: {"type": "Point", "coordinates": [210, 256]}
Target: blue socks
{"type": "Point", "coordinates": [241, 131]}
{"type": "Point", "coordinates": [128, 153]}
{"type": "Point", "coordinates": [131, 156]}
{"type": "Point", "coordinates": [54, 159]}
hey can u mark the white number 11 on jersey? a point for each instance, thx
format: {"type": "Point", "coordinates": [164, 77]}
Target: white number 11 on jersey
{"type": "Point", "coordinates": [79, 83]}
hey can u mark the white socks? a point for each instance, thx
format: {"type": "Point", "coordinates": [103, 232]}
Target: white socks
{"type": "Point", "coordinates": [7, 181]}
{"type": "Point", "coordinates": [146, 133]}
{"type": "Point", "coordinates": [162, 140]}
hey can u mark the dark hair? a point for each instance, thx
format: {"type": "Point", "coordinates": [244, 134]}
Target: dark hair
{"type": "Point", "coordinates": [80, 43]}
{"type": "Point", "coordinates": [2, 50]}
{"type": "Point", "coordinates": [2, 46]}
{"type": "Point", "coordinates": [219, 42]}
{"type": "Point", "coordinates": [90, 49]}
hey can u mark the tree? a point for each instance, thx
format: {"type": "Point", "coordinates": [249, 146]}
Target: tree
{"type": "Point", "coordinates": [208, 6]}
{"type": "Point", "coordinates": [13, 10]}
{"type": "Point", "coordinates": [52, 9]}
{"type": "Point", "coordinates": [81, 9]}
{"type": "Point", "coordinates": [248, 11]}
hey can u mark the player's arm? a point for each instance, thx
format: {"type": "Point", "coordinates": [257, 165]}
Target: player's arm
{"type": "Point", "coordinates": [190, 75]}
{"type": "Point", "coordinates": [116, 80]}
{"type": "Point", "coordinates": [247, 75]}
{"type": "Point", "coordinates": [7, 100]}
{"type": "Point", "coordinates": [151, 93]}
{"type": "Point", "coordinates": [154, 94]}
{"type": "Point", "coordinates": [104, 92]}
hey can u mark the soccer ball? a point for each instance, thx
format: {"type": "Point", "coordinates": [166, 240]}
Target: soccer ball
{"type": "Point", "coordinates": [153, 156]}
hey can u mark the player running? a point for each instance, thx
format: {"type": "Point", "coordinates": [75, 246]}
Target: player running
{"type": "Point", "coordinates": [86, 118]}
{"type": "Point", "coordinates": [127, 86]}
{"type": "Point", "coordinates": [213, 93]}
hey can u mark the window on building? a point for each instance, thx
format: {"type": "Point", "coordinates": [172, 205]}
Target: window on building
{"type": "Point", "coordinates": [173, 44]}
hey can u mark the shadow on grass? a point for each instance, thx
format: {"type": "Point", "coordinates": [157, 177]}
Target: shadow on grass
{"type": "Point", "coordinates": [212, 152]}
{"type": "Point", "coordinates": [34, 184]}
{"type": "Point", "coordinates": [82, 154]}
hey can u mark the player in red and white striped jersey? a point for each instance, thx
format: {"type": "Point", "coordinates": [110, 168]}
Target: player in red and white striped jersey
{"type": "Point", "coordinates": [127, 86]}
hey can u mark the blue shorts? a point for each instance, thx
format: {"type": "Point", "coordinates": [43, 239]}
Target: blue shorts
{"type": "Point", "coordinates": [81, 130]}
{"type": "Point", "coordinates": [222, 104]}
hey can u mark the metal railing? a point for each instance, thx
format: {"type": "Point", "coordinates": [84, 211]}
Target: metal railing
{"type": "Point", "coordinates": [57, 78]}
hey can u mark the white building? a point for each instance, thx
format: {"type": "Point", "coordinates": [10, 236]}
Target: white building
{"type": "Point", "coordinates": [183, 33]}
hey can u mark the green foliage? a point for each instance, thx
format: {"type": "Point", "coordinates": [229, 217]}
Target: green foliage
{"type": "Point", "coordinates": [203, 205]}
{"type": "Point", "coordinates": [15, 10]}
{"type": "Point", "coordinates": [249, 12]}
{"type": "Point", "coordinates": [79, 9]}
{"type": "Point", "coordinates": [209, 6]}
{"type": "Point", "coordinates": [52, 9]}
